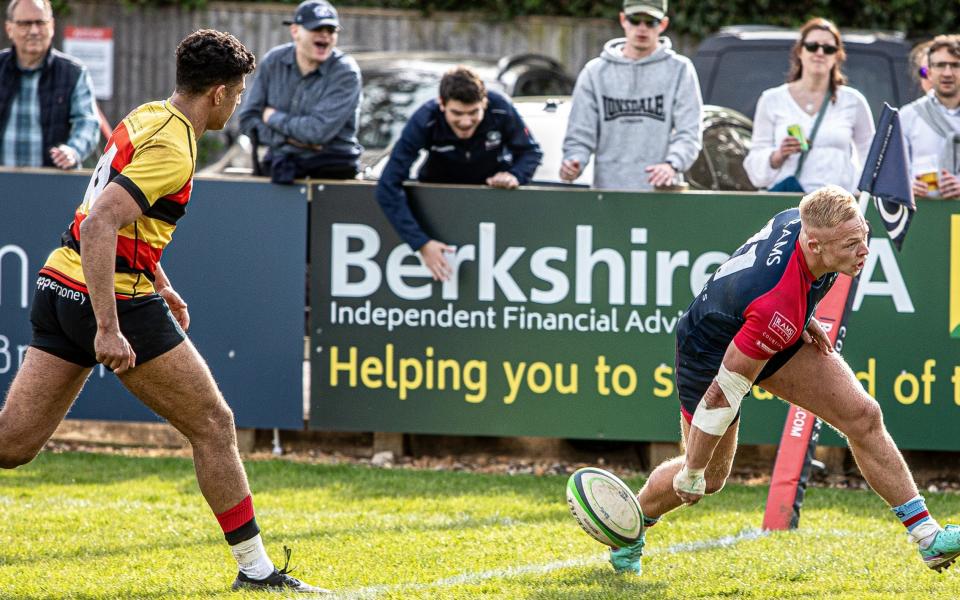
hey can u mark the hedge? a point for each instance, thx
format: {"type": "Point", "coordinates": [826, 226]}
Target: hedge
{"type": "Point", "coordinates": [698, 17]}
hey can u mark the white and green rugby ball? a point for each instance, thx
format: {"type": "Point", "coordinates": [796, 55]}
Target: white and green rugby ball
{"type": "Point", "coordinates": [605, 507]}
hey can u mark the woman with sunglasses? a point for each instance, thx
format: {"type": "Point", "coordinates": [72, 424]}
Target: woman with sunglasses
{"type": "Point", "coordinates": [814, 121]}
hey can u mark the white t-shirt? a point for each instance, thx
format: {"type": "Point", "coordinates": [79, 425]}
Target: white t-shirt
{"type": "Point", "coordinates": [924, 145]}
{"type": "Point", "coordinates": [837, 155]}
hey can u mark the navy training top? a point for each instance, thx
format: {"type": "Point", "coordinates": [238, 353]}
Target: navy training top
{"type": "Point", "coordinates": [501, 142]}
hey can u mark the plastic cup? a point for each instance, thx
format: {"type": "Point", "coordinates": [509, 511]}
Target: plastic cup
{"type": "Point", "coordinates": [928, 172]}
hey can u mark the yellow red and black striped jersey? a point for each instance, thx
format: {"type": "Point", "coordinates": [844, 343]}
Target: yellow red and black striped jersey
{"type": "Point", "coordinates": [152, 155]}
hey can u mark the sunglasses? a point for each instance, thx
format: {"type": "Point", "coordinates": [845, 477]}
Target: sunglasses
{"type": "Point", "coordinates": [812, 48]}
{"type": "Point", "coordinates": [647, 20]}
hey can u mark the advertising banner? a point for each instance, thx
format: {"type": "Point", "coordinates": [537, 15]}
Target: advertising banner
{"type": "Point", "coordinates": [237, 258]}
{"type": "Point", "coordinates": [560, 317]}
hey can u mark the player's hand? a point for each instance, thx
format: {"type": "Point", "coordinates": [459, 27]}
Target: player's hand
{"type": "Point", "coordinates": [690, 485]}
{"type": "Point", "coordinates": [920, 189]}
{"type": "Point", "coordinates": [570, 169]}
{"type": "Point", "coordinates": [114, 351]}
{"type": "Point", "coordinates": [661, 174]}
{"type": "Point", "coordinates": [949, 185]}
{"type": "Point", "coordinates": [267, 113]}
{"type": "Point", "coordinates": [63, 156]}
{"type": "Point", "coordinates": [503, 180]}
{"type": "Point", "coordinates": [788, 145]}
{"type": "Point", "coordinates": [432, 255]}
{"type": "Point", "coordinates": [177, 306]}
{"type": "Point", "coordinates": [814, 334]}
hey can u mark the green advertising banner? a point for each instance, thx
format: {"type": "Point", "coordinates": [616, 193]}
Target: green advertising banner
{"type": "Point", "coordinates": [561, 314]}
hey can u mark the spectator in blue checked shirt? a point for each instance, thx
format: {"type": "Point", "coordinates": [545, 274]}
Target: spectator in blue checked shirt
{"type": "Point", "coordinates": [47, 111]}
{"type": "Point", "coordinates": [473, 136]}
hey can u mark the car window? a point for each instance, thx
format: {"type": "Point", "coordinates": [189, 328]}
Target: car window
{"type": "Point", "coordinates": [873, 76]}
{"type": "Point", "coordinates": [389, 98]}
{"type": "Point", "coordinates": [743, 74]}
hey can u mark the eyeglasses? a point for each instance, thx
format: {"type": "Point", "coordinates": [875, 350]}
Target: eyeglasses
{"type": "Point", "coordinates": [27, 25]}
{"type": "Point", "coordinates": [646, 20]}
{"type": "Point", "coordinates": [812, 48]}
{"type": "Point", "coordinates": [942, 66]}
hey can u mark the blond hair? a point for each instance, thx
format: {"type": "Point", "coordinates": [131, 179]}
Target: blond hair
{"type": "Point", "coordinates": [827, 207]}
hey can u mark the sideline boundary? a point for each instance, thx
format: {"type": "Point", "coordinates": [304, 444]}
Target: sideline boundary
{"type": "Point", "coordinates": [465, 578]}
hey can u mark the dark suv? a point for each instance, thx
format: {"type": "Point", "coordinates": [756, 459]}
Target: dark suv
{"type": "Point", "coordinates": [738, 63]}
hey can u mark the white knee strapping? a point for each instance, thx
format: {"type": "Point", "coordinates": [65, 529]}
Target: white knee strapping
{"type": "Point", "coordinates": [715, 421]}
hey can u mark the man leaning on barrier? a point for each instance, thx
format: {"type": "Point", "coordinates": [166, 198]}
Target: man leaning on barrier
{"type": "Point", "coordinates": [473, 136]}
{"type": "Point", "coordinates": [304, 104]}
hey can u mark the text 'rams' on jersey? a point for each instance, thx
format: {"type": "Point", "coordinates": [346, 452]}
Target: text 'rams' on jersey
{"type": "Point", "coordinates": [761, 298]}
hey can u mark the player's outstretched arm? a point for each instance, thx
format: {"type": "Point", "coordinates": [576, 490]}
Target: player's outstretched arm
{"type": "Point", "coordinates": [716, 412]}
{"type": "Point", "coordinates": [111, 210]}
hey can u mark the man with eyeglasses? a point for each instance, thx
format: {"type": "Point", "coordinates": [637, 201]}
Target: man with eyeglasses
{"type": "Point", "coordinates": [636, 108]}
{"type": "Point", "coordinates": [48, 115]}
{"type": "Point", "coordinates": [304, 104]}
{"type": "Point", "coordinates": [931, 125]}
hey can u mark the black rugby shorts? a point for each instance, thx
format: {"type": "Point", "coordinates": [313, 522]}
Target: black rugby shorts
{"type": "Point", "coordinates": [695, 372]}
{"type": "Point", "coordinates": [64, 324]}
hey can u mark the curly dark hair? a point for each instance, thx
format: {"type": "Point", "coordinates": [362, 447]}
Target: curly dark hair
{"type": "Point", "coordinates": [837, 78]}
{"type": "Point", "coordinates": [208, 57]}
{"type": "Point", "coordinates": [463, 85]}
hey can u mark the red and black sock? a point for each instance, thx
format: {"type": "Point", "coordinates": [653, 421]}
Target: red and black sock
{"type": "Point", "coordinates": [239, 523]}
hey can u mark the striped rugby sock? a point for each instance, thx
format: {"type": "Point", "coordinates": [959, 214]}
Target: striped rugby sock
{"type": "Point", "coordinates": [242, 533]}
{"type": "Point", "coordinates": [916, 518]}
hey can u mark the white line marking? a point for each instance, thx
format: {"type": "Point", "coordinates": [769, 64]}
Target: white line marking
{"type": "Point", "coordinates": [469, 578]}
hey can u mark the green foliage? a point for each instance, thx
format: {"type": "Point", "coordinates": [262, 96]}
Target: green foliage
{"type": "Point", "coordinates": [100, 527]}
{"type": "Point", "coordinates": [696, 17]}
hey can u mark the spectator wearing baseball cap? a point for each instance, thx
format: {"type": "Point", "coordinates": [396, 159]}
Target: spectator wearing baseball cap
{"type": "Point", "coordinates": [635, 108]}
{"type": "Point", "coordinates": [304, 104]}
{"type": "Point", "coordinates": [657, 10]}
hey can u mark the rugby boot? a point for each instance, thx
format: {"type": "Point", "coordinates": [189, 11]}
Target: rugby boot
{"type": "Point", "coordinates": [627, 559]}
{"type": "Point", "coordinates": [279, 581]}
{"type": "Point", "coordinates": [944, 549]}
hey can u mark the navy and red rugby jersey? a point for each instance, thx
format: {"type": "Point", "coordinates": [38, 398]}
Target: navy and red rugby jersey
{"type": "Point", "coordinates": [761, 298]}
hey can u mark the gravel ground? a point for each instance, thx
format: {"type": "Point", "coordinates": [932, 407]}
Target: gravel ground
{"type": "Point", "coordinates": [930, 479]}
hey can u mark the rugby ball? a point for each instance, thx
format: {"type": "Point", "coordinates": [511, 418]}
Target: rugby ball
{"type": "Point", "coordinates": [605, 507]}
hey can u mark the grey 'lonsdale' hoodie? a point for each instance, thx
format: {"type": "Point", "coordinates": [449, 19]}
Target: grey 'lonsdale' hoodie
{"type": "Point", "coordinates": [634, 113]}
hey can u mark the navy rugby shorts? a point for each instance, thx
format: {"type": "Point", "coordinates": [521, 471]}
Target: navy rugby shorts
{"type": "Point", "coordinates": [64, 324]}
{"type": "Point", "coordinates": [695, 372]}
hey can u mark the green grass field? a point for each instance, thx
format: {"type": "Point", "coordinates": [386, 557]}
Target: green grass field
{"type": "Point", "coordinates": [94, 526]}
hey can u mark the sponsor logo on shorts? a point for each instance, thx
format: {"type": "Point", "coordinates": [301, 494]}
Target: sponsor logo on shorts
{"type": "Point", "coordinates": [782, 327]}
{"type": "Point", "coordinates": [45, 283]}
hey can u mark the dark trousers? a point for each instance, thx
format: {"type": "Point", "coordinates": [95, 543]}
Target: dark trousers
{"type": "Point", "coordinates": [284, 169]}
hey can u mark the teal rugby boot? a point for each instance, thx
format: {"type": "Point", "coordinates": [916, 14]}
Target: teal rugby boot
{"type": "Point", "coordinates": [627, 559]}
{"type": "Point", "coordinates": [945, 549]}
